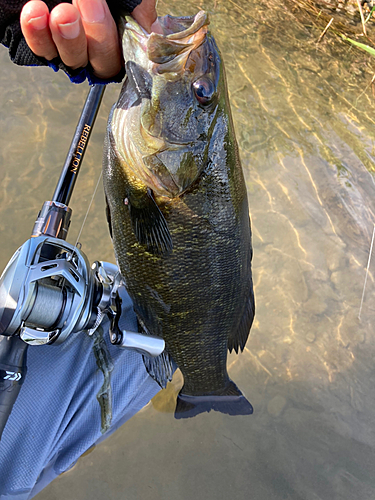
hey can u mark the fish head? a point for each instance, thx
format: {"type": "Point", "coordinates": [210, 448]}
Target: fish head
{"type": "Point", "coordinates": [166, 114]}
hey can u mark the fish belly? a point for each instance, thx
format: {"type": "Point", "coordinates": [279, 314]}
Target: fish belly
{"type": "Point", "coordinates": [196, 296]}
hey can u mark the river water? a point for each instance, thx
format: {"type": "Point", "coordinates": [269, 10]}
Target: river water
{"type": "Point", "coordinates": [304, 117]}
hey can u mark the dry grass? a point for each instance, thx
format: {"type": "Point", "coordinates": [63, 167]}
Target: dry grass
{"type": "Point", "coordinates": [346, 21]}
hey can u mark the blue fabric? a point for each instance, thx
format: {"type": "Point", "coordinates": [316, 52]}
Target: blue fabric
{"type": "Point", "coordinates": [79, 75]}
{"type": "Point", "coordinates": [57, 417]}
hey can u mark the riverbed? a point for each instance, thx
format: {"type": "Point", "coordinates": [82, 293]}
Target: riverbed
{"type": "Point", "coordinates": [304, 120]}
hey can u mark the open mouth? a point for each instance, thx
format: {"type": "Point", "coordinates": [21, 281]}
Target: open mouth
{"type": "Point", "coordinates": [167, 52]}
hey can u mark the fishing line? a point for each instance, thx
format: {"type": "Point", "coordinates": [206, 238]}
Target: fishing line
{"type": "Point", "coordinates": [88, 209]}
{"type": "Point", "coordinates": [368, 265]}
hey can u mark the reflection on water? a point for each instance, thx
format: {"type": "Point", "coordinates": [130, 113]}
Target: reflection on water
{"type": "Point", "coordinates": [304, 122]}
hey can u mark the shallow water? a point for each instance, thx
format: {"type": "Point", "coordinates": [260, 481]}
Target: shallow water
{"type": "Point", "coordinates": [304, 119]}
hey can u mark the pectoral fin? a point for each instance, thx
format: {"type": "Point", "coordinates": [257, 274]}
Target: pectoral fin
{"type": "Point", "coordinates": [149, 225]}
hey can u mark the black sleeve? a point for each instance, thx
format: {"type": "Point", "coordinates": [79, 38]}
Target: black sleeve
{"type": "Point", "coordinates": [11, 34]}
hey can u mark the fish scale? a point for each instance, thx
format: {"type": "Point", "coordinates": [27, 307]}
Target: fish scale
{"type": "Point", "coordinates": [185, 257]}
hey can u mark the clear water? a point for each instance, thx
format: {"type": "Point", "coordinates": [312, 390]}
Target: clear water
{"type": "Point", "coordinates": [304, 116]}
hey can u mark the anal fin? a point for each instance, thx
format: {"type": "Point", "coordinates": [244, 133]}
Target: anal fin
{"type": "Point", "coordinates": [160, 368]}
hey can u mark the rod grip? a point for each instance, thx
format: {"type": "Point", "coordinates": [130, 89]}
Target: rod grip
{"type": "Point", "coordinates": [13, 353]}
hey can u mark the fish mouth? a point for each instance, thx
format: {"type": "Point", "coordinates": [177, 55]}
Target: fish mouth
{"type": "Point", "coordinates": [168, 52]}
{"type": "Point", "coordinates": [158, 160]}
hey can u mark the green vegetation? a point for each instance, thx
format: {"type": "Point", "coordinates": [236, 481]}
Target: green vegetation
{"type": "Point", "coordinates": [362, 46]}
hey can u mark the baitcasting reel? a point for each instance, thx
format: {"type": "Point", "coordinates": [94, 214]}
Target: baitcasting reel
{"type": "Point", "coordinates": [49, 291]}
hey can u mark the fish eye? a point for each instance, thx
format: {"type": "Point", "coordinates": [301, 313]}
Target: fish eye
{"type": "Point", "coordinates": [204, 90]}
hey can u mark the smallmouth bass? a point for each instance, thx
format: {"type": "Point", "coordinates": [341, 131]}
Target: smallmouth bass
{"type": "Point", "coordinates": [177, 209]}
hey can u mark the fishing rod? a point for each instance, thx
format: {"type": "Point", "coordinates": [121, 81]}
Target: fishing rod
{"type": "Point", "coordinates": [48, 289]}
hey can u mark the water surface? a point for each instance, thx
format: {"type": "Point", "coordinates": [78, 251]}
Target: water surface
{"type": "Point", "coordinates": [304, 117]}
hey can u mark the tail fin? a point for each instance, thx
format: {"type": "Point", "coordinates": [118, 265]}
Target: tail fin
{"type": "Point", "coordinates": [230, 401]}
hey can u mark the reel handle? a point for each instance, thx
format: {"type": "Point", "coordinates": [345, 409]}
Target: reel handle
{"type": "Point", "coordinates": [13, 353]}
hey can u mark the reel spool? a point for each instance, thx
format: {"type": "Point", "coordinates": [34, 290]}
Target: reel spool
{"type": "Point", "coordinates": [48, 291]}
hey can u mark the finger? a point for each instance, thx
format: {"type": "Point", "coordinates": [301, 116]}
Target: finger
{"type": "Point", "coordinates": [68, 34]}
{"type": "Point", "coordinates": [35, 28]}
{"type": "Point", "coordinates": [145, 15]}
{"type": "Point", "coordinates": [102, 37]}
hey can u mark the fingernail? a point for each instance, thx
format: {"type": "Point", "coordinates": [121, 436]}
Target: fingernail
{"type": "Point", "coordinates": [38, 23]}
{"type": "Point", "coordinates": [69, 30]}
{"type": "Point", "coordinates": [92, 11]}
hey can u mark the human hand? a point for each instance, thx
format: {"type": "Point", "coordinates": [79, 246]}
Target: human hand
{"type": "Point", "coordinates": [81, 32]}
{"type": "Point", "coordinates": [145, 15]}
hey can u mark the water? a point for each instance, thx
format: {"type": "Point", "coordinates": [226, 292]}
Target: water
{"type": "Point", "coordinates": [304, 119]}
